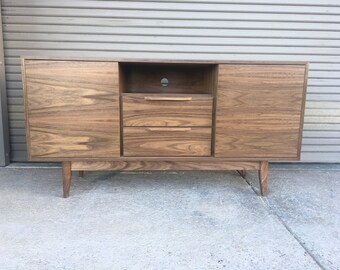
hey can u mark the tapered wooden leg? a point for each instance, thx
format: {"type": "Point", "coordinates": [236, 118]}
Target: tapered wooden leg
{"type": "Point", "coordinates": [81, 173]}
{"type": "Point", "coordinates": [67, 175]}
{"type": "Point", "coordinates": [242, 173]}
{"type": "Point", "coordinates": [263, 175]}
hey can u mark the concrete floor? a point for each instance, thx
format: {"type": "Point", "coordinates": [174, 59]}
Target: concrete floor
{"type": "Point", "coordinates": [170, 220]}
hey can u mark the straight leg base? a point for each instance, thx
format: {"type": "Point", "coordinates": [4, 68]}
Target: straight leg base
{"type": "Point", "coordinates": [241, 167]}
{"type": "Point", "coordinates": [67, 175]}
{"type": "Point", "coordinates": [263, 175]}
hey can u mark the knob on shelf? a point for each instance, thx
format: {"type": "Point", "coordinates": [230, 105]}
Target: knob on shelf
{"type": "Point", "coordinates": [164, 82]}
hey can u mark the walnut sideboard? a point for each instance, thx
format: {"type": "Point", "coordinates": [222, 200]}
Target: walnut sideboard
{"type": "Point", "coordinates": [133, 114]}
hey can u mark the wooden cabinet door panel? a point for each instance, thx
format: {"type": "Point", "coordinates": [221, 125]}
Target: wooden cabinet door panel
{"type": "Point", "coordinates": [259, 110]}
{"type": "Point", "coordinates": [72, 109]}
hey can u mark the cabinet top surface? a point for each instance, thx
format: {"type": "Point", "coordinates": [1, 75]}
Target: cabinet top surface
{"type": "Point", "coordinates": [169, 61]}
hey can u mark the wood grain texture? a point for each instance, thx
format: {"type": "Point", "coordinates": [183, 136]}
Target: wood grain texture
{"type": "Point", "coordinates": [162, 165]}
{"type": "Point", "coordinates": [67, 175]}
{"type": "Point", "coordinates": [143, 141]}
{"type": "Point", "coordinates": [72, 109]}
{"type": "Point", "coordinates": [164, 158]}
{"type": "Point", "coordinates": [259, 111]}
{"type": "Point", "coordinates": [183, 78]}
{"type": "Point", "coordinates": [211, 83]}
{"type": "Point", "coordinates": [150, 110]}
{"type": "Point", "coordinates": [263, 175]}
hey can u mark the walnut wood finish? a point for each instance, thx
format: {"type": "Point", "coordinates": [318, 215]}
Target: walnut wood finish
{"type": "Point", "coordinates": [183, 78]}
{"type": "Point", "coordinates": [165, 61]}
{"type": "Point", "coordinates": [67, 175]}
{"type": "Point", "coordinates": [259, 111]}
{"type": "Point", "coordinates": [263, 175]}
{"type": "Point", "coordinates": [157, 97]}
{"type": "Point", "coordinates": [212, 115]}
{"type": "Point", "coordinates": [166, 141]}
{"type": "Point", "coordinates": [72, 109]}
{"type": "Point", "coordinates": [167, 110]}
{"type": "Point", "coordinates": [162, 165]}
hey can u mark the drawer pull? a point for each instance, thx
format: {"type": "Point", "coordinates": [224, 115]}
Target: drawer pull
{"type": "Point", "coordinates": [167, 98]}
{"type": "Point", "coordinates": [168, 129]}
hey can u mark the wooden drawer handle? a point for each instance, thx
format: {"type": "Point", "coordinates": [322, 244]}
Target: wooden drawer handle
{"type": "Point", "coordinates": [168, 98]}
{"type": "Point", "coordinates": [168, 129]}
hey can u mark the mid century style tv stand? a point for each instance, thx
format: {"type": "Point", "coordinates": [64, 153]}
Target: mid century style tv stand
{"type": "Point", "coordinates": [133, 114]}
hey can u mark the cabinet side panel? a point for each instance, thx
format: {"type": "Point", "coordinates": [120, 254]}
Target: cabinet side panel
{"type": "Point", "coordinates": [72, 109]}
{"type": "Point", "coordinates": [259, 111]}
{"type": "Point", "coordinates": [28, 137]}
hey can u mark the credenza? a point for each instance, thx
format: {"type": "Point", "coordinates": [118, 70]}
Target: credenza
{"type": "Point", "coordinates": [142, 114]}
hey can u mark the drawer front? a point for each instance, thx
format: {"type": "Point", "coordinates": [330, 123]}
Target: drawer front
{"type": "Point", "coordinates": [166, 141]}
{"type": "Point", "coordinates": [167, 110]}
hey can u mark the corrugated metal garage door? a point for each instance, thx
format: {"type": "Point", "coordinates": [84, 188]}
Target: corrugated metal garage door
{"type": "Point", "coordinates": [302, 30]}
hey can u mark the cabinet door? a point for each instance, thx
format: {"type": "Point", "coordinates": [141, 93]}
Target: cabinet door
{"type": "Point", "coordinates": [72, 109]}
{"type": "Point", "coordinates": [259, 111]}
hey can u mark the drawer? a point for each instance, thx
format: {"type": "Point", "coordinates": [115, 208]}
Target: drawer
{"type": "Point", "coordinates": [166, 141]}
{"type": "Point", "coordinates": [167, 110]}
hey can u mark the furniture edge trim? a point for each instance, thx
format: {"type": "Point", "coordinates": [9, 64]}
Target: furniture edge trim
{"type": "Point", "coordinates": [303, 107]}
{"type": "Point", "coordinates": [155, 60]}
{"type": "Point", "coordinates": [182, 159]}
{"type": "Point", "coordinates": [162, 165]}
{"type": "Point", "coordinates": [26, 121]}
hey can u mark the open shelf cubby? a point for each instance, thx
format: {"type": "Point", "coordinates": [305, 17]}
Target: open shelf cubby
{"type": "Point", "coordinates": [168, 78]}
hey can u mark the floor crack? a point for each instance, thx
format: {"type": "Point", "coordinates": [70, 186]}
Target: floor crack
{"type": "Point", "coordinates": [276, 213]}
